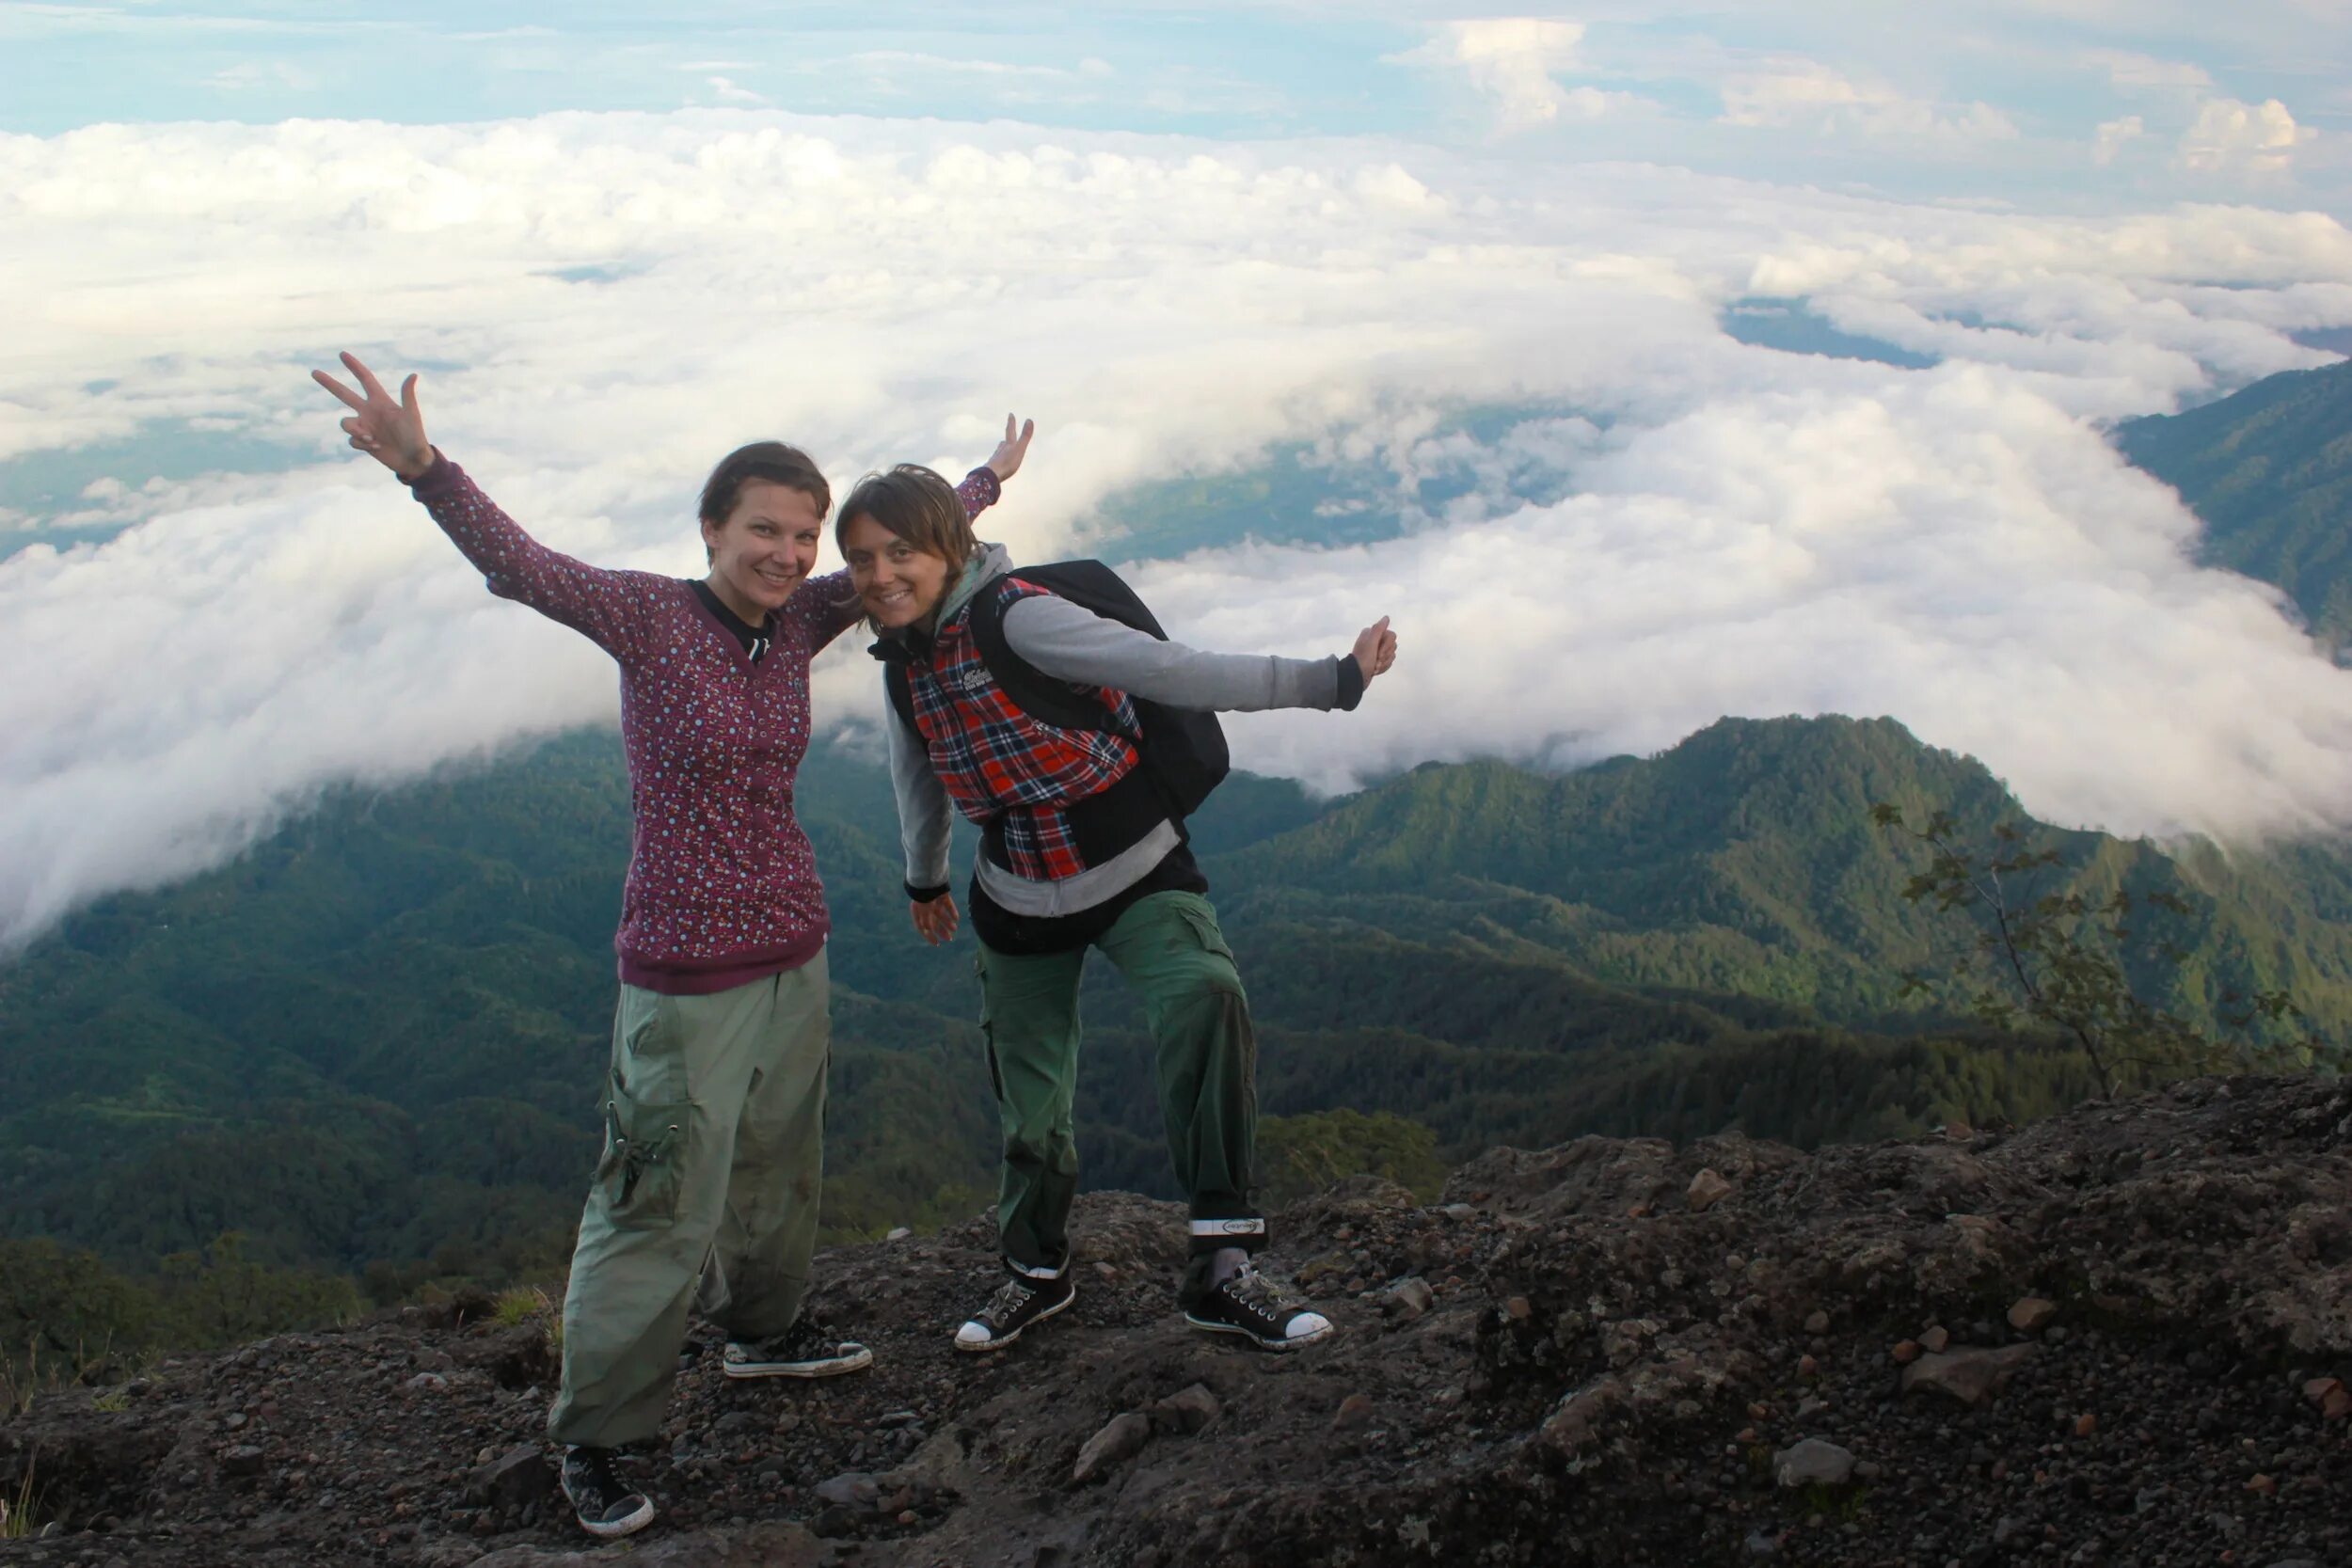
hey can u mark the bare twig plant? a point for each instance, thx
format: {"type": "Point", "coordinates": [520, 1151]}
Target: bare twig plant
{"type": "Point", "coordinates": [2054, 961]}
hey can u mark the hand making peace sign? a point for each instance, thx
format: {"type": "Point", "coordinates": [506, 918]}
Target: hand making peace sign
{"type": "Point", "coordinates": [1005, 460]}
{"type": "Point", "coordinates": [390, 431]}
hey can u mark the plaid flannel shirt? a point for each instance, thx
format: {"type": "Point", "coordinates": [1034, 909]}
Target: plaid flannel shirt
{"type": "Point", "coordinates": [994, 760]}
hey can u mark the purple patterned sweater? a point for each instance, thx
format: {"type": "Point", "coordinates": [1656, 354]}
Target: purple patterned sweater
{"type": "Point", "coordinates": [723, 886]}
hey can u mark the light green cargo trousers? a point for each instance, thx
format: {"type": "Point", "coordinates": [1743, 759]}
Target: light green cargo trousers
{"type": "Point", "coordinates": [714, 1126]}
{"type": "Point", "coordinates": [1168, 947]}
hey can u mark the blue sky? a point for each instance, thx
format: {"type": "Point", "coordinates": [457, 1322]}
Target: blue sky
{"type": "Point", "coordinates": [2076, 104]}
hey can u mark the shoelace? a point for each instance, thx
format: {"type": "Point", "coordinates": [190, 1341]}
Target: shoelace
{"type": "Point", "coordinates": [1010, 1298]}
{"type": "Point", "coordinates": [597, 1486]}
{"type": "Point", "coordinates": [794, 1344]}
{"type": "Point", "coordinates": [805, 1337]}
{"type": "Point", "coordinates": [1255, 1290]}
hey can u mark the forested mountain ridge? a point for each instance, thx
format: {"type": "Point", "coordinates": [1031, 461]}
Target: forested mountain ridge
{"type": "Point", "coordinates": [378, 1037]}
{"type": "Point", "coordinates": [379, 1033]}
{"type": "Point", "coordinates": [2270, 470]}
{"type": "Point", "coordinates": [1744, 860]}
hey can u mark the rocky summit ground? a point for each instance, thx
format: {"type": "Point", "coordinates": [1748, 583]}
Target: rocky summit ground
{"type": "Point", "coordinates": [2115, 1337]}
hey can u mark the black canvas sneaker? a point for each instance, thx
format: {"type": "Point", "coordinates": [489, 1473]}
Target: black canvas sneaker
{"type": "Point", "coordinates": [802, 1350]}
{"type": "Point", "coordinates": [1267, 1313]}
{"type": "Point", "coordinates": [607, 1505]}
{"type": "Point", "coordinates": [1018, 1302]}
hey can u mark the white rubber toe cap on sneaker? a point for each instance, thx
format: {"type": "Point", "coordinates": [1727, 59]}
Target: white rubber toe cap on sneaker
{"type": "Point", "coordinates": [1307, 1325]}
{"type": "Point", "coordinates": [628, 1524]}
{"type": "Point", "coordinates": [972, 1333]}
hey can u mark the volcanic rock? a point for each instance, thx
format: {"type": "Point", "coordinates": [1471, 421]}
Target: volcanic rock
{"type": "Point", "coordinates": [1117, 1443]}
{"type": "Point", "coordinates": [1813, 1463]}
{"type": "Point", "coordinates": [1972, 1376]}
{"type": "Point", "coordinates": [1186, 1411]}
{"type": "Point", "coordinates": [1582, 1388]}
{"type": "Point", "coordinates": [1707, 1189]}
{"type": "Point", "coordinates": [2032, 1314]}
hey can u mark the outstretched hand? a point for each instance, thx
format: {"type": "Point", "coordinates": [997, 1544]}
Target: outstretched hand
{"type": "Point", "coordinates": [1005, 461]}
{"type": "Point", "coordinates": [936, 919]}
{"type": "Point", "coordinates": [1375, 649]}
{"type": "Point", "coordinates": [391, 431]}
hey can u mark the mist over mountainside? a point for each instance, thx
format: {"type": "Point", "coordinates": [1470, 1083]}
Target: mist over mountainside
{"type": "Point", "coordinates": [1814, 471]}
{"type": "Point", "coordinates": [1686, 443]}
{"type": "Point", "coordinates": [1739, 862]}
{"type": "Point", "coordinates": [374, 1039]}
{"type": "Point", "coordinates": [2269, 469]}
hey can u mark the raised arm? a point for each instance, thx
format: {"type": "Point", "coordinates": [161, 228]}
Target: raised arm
{"type": "Point", "coordinates": [614, 609]}
{"type": "Point", "coordinates": [1005, 461]}
{"type": "Point", "coordinates": [830, 605]}
{"type": "Point", "coordinates": [1071, 642]}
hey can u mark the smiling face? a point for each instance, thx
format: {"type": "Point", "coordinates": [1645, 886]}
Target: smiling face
{"type": "Point", "coordinates": [765, 549]}
{"type": "Point", "coordinates": [898, 584]}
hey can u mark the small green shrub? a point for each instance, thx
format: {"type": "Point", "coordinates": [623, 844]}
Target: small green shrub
{"type": "Point", "coordinates": [19, 1519]}
{"type": "Point", "coordinates": [519, 1306]}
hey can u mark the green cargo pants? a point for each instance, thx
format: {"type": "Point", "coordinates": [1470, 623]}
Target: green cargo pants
{"type": "Point", "coordinates": [714, 1114]}
{"type": "Point", "coordinates": [1168, 947]}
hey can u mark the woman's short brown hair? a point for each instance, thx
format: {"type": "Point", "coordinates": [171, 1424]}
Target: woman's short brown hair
{"type": "Point", "coordinates": [770, 460]}
{"type": "Point", "coordinates": [913, 503]}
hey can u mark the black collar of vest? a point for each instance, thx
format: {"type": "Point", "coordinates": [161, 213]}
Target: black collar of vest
{"type": "Point", "coordinates": [900, 645]}
{"type": "Point", "coordinates": [908, 645]}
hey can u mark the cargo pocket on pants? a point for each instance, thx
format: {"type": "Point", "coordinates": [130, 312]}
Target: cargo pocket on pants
{"type": "Point", "coordinates": [1203, 926]}
{"type": "Point", "coordinates": [643, 1170]}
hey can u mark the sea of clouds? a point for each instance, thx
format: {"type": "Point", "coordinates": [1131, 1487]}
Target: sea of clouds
{"type": "Point", "coordinates": [602, 305]}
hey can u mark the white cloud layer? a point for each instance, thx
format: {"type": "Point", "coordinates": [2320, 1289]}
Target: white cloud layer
{"type": "Point", "coordinates": [725, 90]}
{"type": "Point", "coordinates": [602, 305]}
{"type": "Point", "coordinates": [2114, 136]}
{"type": "Point", "coordinates": [1808, 95]}
{"type": "Point", "coordinates": [2230, 136]}
{"type": "Point", "coordinates": [1512, 62]}
{"type": "Point", "coordinates": [2132, 72]}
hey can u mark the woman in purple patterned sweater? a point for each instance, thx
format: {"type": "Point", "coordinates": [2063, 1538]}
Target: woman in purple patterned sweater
{"type": "Point", "coordinates": [707, 1194]}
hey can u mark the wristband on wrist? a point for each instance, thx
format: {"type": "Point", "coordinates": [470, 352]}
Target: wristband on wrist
{"type": "Point", "coordinates": [1351, 684]}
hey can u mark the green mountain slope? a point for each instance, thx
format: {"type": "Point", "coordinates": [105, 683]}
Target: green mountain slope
{"type": "Point", "coordinates": [2269, 469]}
{"type": "Point", "coordinates": [378, 1037]}
{"type": "Point", "coordinates": [1744, 860]}
{"type": "Point", "coordinates": [379, 1033]}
